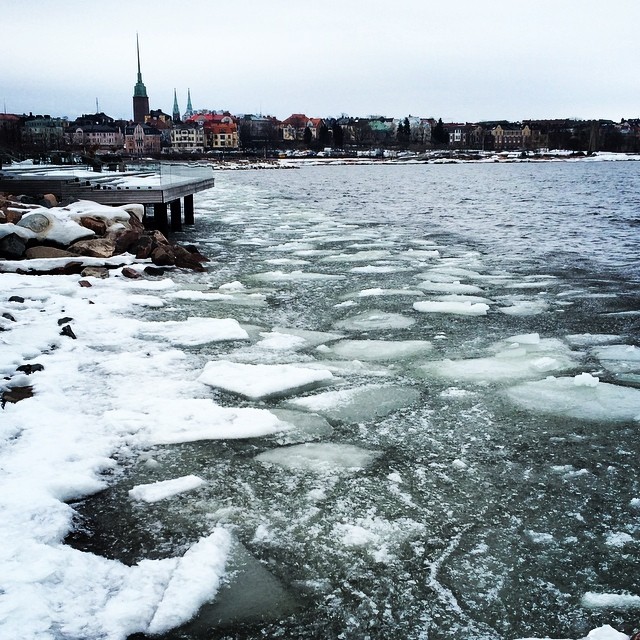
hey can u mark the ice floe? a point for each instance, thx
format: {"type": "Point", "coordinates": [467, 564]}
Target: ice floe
{"type": "Point", "coordinates": [261, 381]}
{"type": "Point", "coordinates": [455, 308]}
{"type": "Point", "coordinates": [176, 420]}
{"type": "Point", "coordinates": [320, 457]}
{"type": "Point", "coordinates": [195, 331]}
{"type": "Point", "coordinates": [380, 349]}
{"type": "Point", "coordinates": [564, 397]}
{"type": "Point", "coordinates": [517, 358]}
{"type": "Point", "coordinates": [358, 404]}
{"type": "Point", "coordinates": [165, 488]}
{"type": "Point", "coordinates": [616, 601]}
{"type": "Point", "coordinates": [374, 319]}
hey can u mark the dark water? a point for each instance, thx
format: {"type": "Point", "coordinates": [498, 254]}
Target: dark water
{"type": "Point", "coordinates": [478, 518]}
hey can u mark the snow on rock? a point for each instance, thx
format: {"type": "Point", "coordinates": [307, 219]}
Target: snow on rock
{"type": "Point", "coordinates": [516, 358]}
{"type": "Point", "coordinates": [195, 331]}
{"type": "Point", "coordinates": [320, 457]}
{"type": "Point", "coordinates": [380, 349]}
{"type": "Point", "coordinates": [165, 489]}
{"type": "Point", "coordinates": [359, 404]}
{"type": "Point", "coordinates": [48, 224]}
{"type": "Point", "coordinates": [563, 397]}
{"type": "Point", "coordinates": [456, 308]}
{"type": "Point", "coordinates": [259, 381]}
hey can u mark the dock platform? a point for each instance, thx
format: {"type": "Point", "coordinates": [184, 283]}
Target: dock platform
{"type": "Point", "coordinates": [162, 187]}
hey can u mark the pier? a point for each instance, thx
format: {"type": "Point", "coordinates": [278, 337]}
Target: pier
{"type": "Point", "coordinates": [167, 189]}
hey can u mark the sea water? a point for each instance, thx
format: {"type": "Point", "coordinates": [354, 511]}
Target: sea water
{"type": "Point", "coordinates": [468, 468]}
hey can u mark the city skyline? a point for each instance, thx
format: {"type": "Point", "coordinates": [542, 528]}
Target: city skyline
{"type": "Point", "coordinates": [468, 61]}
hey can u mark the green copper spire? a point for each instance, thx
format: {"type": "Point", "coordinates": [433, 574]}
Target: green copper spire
{"type": "Point", "coordinates": [139, 91]}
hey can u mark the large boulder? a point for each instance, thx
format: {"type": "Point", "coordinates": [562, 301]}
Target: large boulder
{"type": "Point", "coordinates": [12, 247]}
{"type": "Point", "coordinates": [41, 251]}
{"type": "Point", "coordinates": [97, 248]}
{"type": "Point", "coordinates": [98, 226]}
{"type": "Point", "coordinates": [36, 222]}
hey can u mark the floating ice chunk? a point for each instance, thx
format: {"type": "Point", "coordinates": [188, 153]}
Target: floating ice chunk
{"type": "Point", "coordinates": [294, 276]}
{"type": "Point", "coordinates": [232, 287]}
{"type": "Point", "coordinates": [615, 601]}
{"type": "Point", "coordinates": [456, 308]}
{"type": "Point", "coordinates": [195, 581]}
{"type": "Point", "coordinates": [449, 287]}
{"type": "Point", "coordinates": [309, 338]}
{"type": "Point", "coordinates": [175, 420]}
{"type": "Point", "coordinates": [153, 302]}
{"type": "Point", "coordinates": [359, 404]}
{"type": "Point", "coordinates": [525, 338]}
{"type": "Point", "coordinates": [371, 268]}
{"type": "Point", "coordinates": [355, 536]}
{"type": "Point", "coordinates": [195, 331]}
{"type": "Point", "coordinates": [302, 425]}
{"type": "Point", "coordinates": [276, 341]}
{"type": "Point", "coordinates": [165, 489]}
{"type": "Point", "coordinates": [525, 308]}
{"type": "Point", "coordinates": [586, 380]}
{"type": "Point", "coordinates": [635, 502]}
{"type": "Point", "coordinates": [380, 349]}
{"type": "Point", "coordinates": [518, 361]}
{"type": "Point", "coordinates": [245, 299]}
{"type": "Point", "coordinates": [619, 358]}
{"type": "Point", "coordinates": [287, 261]}
{"type": "Point", "coordinates": [618, 539]}
{"type": "Point", "coordinates": [419, 254]}
{"type": "Point", "coordinates": [320, 457]}
{"type": "Point", "coordinates": [546, 281]}
{"type": "Point", "coordinates": [590, 339]}
{"type": "Point", "coordinates": [455, 297]}
{"type": "Point", "coordinates": [562, 397]}
{"type": "Point", "coordinates": [626, 352]}
{"type": "Point", "coordinates": [368, 293]}
{"type": "Point", "coordinates": [374, 319]}
{"type": "Point", "coordinates": [260, 381]}
{"type": "Point", "coordinates": [606, 632]}
{"type": "Point", "coordinates": [359, 256]}
{"type": "Point", "coordinates": [540, 537]}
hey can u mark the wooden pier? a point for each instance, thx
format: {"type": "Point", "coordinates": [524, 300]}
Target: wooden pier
{"type": "Point", "coordinates": [168, 189]}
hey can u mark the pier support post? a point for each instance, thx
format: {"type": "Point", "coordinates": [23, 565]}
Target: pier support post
{"type": "Point", "coordinates": [188, 210]}
{"type": "Point", "coordinates": [176, 215]}
{"type": "Point", "coordinates": [160, 219]}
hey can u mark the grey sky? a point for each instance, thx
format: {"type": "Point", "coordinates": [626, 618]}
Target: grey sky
{"type": "Point", "coordinates": [462, 60]}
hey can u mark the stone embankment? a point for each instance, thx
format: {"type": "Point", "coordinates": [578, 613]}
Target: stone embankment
{"type": "Point", "coordinates": [38, 228]}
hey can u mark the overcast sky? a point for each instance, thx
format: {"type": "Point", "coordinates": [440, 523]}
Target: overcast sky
{"type": "Point", "coordinates": [461, 60]}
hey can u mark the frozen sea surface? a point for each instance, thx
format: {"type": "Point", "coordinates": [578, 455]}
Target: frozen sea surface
{"type": "Point", "coordinates": [468, 467]}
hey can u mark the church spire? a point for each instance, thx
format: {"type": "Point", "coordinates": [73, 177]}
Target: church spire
{"type": "Point", "coordinates": [176, 108]}
{"type": "Point", "coordinates": [189, 112]}
{"type": "Point", "coordinates": [140, 98]}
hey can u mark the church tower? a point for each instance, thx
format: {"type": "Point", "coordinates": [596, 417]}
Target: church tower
{"type": "Point", "coordinates": [140, 98]}
{"type": "Point", "coordinates": [189, 112]}
{"type": "Point", "coordinates": [176, 109]}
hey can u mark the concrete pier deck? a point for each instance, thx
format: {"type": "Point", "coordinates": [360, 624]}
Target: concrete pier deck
{"type": "Point", "coordinates": [161, 187]}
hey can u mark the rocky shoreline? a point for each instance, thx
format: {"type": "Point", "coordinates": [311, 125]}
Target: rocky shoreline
{"type": "Point", "coordinates": [42, 229]}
